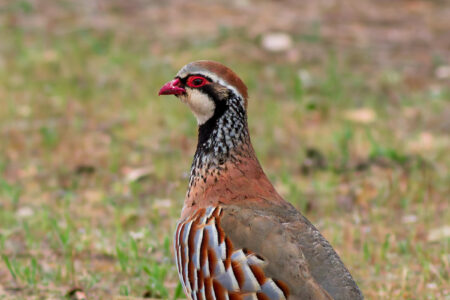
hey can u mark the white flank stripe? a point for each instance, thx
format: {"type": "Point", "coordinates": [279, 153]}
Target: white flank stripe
{"type": "Point", "coordinates": [228, 280]}
{"type": "Point", "coordinates": [221, 251]}
{"type": "Point", "coordinates": [186, 231]}
{"type": "Point", "coordinates": [251, 297]}
{"type": "Point", "coordinates": [250, 283]}
{"type": "Point", "coordinates": [212, 234]}
{"type": "Point", "coordinates": [186, 280]}
{"type": "Point", "coordinates": [179, 268]}
{"type": "Point", "coordinates": [195, 283]}
{"type": "Point", "coordinates": [254, 260]}
{"type": "Point", "coordinates": [238, 256]}
{"type": "Point", "coordinates": [213, 293]}
{"type": "Point", "coordinates": [176, 247]}
{"type": "Point", "coordinates": [197, 244]}
{"type": "Point", "coordinates": [219, 269]}
{"type": "Point", "coordinates": [271, 290]}
{"type": "Point", "coordinates": [202, 220]}
{"type": "Point", "coordinates": [209, 211]}
{"type": "Point", "coordinates": [202, 292]}
{"type": "Point", "coordinates": [206, 268]}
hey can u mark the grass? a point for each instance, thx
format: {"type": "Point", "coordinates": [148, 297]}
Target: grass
{"type": "Point", "coordinates": [93, 165]}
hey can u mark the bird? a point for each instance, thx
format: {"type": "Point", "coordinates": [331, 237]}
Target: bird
{"type": "Point", "coordinates": [237, 238]}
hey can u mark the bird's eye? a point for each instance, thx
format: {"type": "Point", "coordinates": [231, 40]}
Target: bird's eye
{"type": "Point", "coordinates": [196, 81]}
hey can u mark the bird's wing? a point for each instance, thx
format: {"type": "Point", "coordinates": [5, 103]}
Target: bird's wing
{"type": "Point", "coordinates": [296, 252]}
{"type": "Point", "coordinates": [211, 266]}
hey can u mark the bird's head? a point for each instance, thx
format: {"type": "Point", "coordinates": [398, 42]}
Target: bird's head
{"type": "Point", "coordinates": [208, 88]}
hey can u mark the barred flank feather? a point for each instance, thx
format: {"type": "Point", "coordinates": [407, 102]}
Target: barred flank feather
{"type": "Point", "coordinates": [209, 267]}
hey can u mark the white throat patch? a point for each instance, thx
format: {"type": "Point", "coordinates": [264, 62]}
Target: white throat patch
{"type": "Point", "coordinates": [200, 104]}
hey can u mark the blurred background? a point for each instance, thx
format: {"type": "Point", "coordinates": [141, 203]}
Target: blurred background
{"type": "Point", "coordinates": [349, 113]}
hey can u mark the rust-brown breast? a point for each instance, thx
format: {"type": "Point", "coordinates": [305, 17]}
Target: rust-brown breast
{"type": "Point", "coordinates": [236, 182]}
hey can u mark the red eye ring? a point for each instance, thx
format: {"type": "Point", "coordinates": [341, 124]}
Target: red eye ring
{"type": "Point", "coordinates": [196, 81]}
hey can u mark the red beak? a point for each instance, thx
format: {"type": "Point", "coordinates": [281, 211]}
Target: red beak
{"type": "Point", "coordinates": [172, 88]}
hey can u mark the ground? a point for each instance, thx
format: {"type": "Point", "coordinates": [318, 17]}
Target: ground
{"type": "Point", "coordinates": [350, 120]}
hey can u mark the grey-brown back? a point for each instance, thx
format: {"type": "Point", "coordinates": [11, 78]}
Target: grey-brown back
{"type": "Point", "coordinates": [296, 251]}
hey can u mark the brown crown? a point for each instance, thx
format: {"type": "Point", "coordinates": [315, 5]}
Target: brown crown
{"type": "Point", "coordinates": [225, 73]}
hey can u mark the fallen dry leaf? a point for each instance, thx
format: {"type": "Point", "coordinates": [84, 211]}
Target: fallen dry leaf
{"type": "Point", "coordinates": [24, 212]}
{"type": "Point", "coordinates": [162, 203]}
{"type": "Point", "coordinates": [443, 72]}
{"type": "Point", "coordinates": [132, 175]}
{"type": "Point", "coordinates": [361, 115]}
{"type": "Point", "coordinates": [426, 142]}
{"type": "Point", "coordinates": [276, 42]}
{"type": "Point", "coordinates": [409, 219]}
{"type": "Point", "coordinates": [439, 234]}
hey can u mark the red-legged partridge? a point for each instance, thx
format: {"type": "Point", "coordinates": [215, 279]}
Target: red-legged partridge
{"type": "Point", "coordinates": [237, 238]}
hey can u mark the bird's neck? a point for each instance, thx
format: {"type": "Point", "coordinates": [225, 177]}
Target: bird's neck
{"type": "Point", "coordinates": [225, 169]}
{"type": "Point", "coordinates": [222, 140]}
